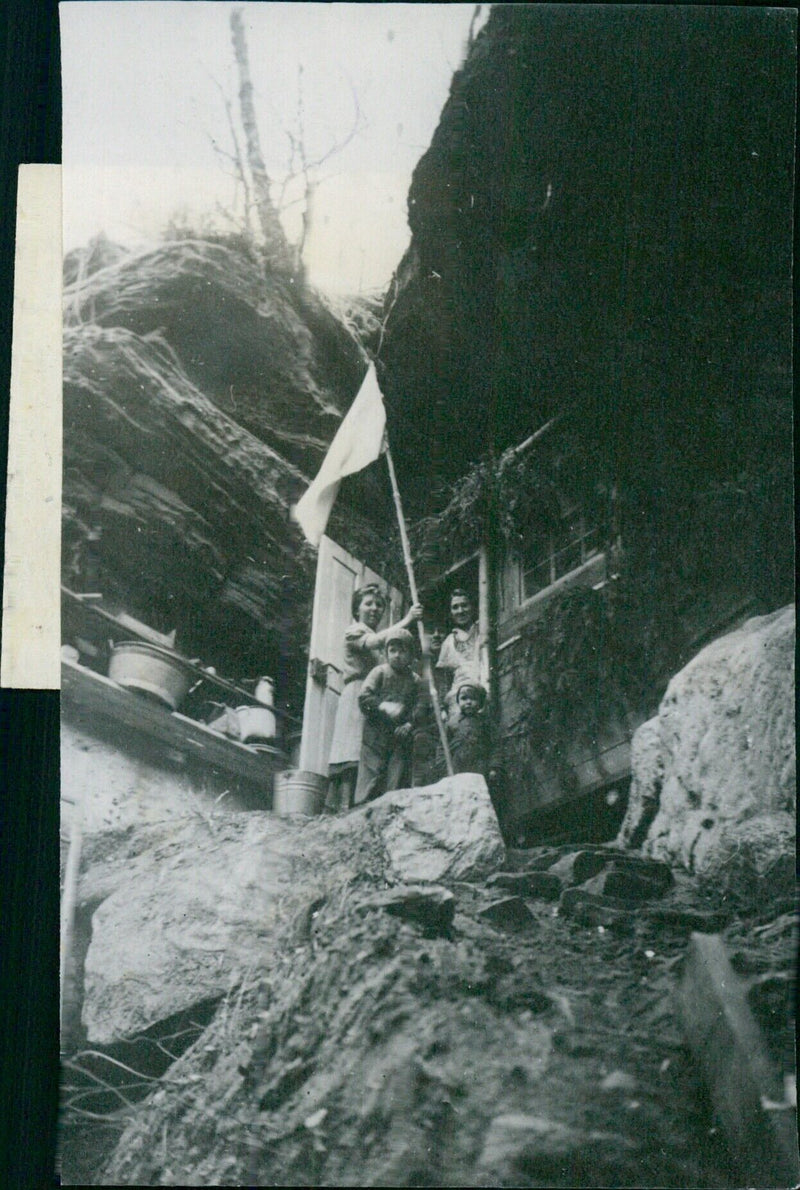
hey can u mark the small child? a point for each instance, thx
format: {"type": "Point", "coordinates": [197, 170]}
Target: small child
{"type": "Point", "coordinates": [388, 701]}
{"type": "Point", "coordinates": [469, 733]}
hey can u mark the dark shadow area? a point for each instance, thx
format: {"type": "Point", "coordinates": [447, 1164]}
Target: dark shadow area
{"type": "Point", "coordinates": [101, 1085]}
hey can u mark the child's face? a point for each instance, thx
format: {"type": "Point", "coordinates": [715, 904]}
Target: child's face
{"type": "Point", "coordinates": [397, 655]}
{"type": "Point", "coordinates": [469, 703]}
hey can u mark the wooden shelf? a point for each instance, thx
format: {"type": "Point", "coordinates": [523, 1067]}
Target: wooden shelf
{"type": "Point", "coordinates": [212, 685]}
{"type": "Point", "coordinates": [98, 698]}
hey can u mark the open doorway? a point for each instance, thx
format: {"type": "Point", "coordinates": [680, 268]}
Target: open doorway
{"type": "Point", "coordinates": [435, 595]}
{"type": "Point", "coordinates": [467, 574]}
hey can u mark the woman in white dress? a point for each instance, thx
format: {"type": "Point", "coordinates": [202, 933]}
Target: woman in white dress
{"type": "Point", "coordinates": [363, 650]}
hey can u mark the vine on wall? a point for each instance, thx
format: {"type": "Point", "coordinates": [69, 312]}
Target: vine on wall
{"type": "Point", "coordinates": [594, 657]}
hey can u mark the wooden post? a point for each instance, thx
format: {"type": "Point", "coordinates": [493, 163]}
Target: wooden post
{"type": "Point", "coordinates": [412, 583]}
{"type": "Point", "coordinates": [68, 897]}
{"type": "Point", "coordinates": [484, 617]}
{"type": "Point", "coordinates": [742, 1079]}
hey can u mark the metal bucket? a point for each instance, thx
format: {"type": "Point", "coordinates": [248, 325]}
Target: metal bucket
{"type": "Point", "coordinates": [150, 670]}
{"type": "Point", "coordinates": [299, 792]}
{"type": "Point", "coordinates": [255, 723]}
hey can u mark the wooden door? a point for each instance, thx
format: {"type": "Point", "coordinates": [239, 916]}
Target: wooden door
{"type": "Point", "coordinates": [338, 575]}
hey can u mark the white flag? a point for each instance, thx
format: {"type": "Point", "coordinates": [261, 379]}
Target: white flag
{"type": "Point", "coordinates": [358, 442]}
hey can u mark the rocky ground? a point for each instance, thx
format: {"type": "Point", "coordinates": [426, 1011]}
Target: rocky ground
{"type": "Point", "coordinates": [391, 997]}
{"type": "Point", "coordinates": [462, 1036]}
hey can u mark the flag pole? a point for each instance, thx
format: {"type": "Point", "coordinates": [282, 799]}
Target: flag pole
{"type": "Point", "coordinates": [412, 582]}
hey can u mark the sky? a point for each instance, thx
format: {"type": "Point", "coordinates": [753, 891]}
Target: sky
{"type": "Point", "coordinates": [147, 137]}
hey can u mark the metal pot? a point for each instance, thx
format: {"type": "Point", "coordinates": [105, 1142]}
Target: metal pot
{"type": "Point", "coordinates": [151, 670]}
{"type": "Point", "coordinates": [255, 723]}
{"type": "Point", "coordinates": [265, 691]}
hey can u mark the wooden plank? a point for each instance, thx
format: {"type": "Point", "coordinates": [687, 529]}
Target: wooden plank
{"type": "Point", "coordinates": [339, 573]}
{"type": "Point", "coordinates": [337, 577]}
{"type": "Point", "coordinates": [119, 632]}
{"type": "Point", "coordinates": [483, 617]}
{"type": "Point", "coordinates": [103, 699]}
{"type": "Point", "coordinates": [745, 1087]}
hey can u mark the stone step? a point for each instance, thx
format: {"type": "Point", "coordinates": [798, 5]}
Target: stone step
{"type": "Point", "coordinates": [577, 867]}
{"type": "Point", "coordinates": [624, 884]}
{"type": "Point", "coordinates": [640, 865]}
{"type": "Point", "coordinates": [592, 909]}
{"type": "Point", "coordinates": [688, 917]}
{"type": "Point", "coordinates": [545, 885]}
{"type": "Point", "coordinates": [532, 859]}
{"type": "Point", "coordinates": [511, 913]}
{"type": "Point", "coordinates": [427, 905]}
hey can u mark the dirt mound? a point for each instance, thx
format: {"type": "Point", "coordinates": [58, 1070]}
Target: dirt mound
{"type": "Point", "coordinates": [179, 907]}
{"type": "Point", "coordinates": [374, 1055]}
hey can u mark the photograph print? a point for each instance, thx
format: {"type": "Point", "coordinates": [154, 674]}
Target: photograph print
{"type": "Point", "coordinates": [427, 662]}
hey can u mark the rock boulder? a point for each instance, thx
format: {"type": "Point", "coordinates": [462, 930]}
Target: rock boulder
{"type": "Point", "coordinates": [185, 909]}
{"type": "Point", "coordinates": [714, 783]}
{"type": "Point", "coordinates": [450, 833]}
{"type": "Point", "coordinates": [647, 775]}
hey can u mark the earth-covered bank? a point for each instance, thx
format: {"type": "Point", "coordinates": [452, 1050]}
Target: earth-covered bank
{"type": "Point", "coordinates": [369, 1052]}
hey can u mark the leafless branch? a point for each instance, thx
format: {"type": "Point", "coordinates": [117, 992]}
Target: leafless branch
{"type": "Point", "coordinates": [236, 158]}
{"type": "Point", "coordinates": [276, 248]}
{"type": "Point", "coordinates": [239, 160]}
{"type": "Point", "coordinates": [338, 146]}
{"type": "Point", "coordinates": [471, 34]}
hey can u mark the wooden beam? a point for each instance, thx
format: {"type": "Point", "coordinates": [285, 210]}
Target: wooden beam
{"type": "Point", "coordinates": [745, 1087]}
{"type": "Point", "coordinates": [75, 603]}
{"type": "Point", "coordinates": [484, 618]}
{"type": "Point", "coordinates": [100, 699]}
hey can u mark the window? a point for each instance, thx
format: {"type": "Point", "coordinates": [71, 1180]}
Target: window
{"type": "Point", "coordinates": [557, 550]}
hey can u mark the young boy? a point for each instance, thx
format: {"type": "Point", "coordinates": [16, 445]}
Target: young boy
{"type": "Point", "coordinates": [469, 733]}
{"type": "Point", "coordinates": [388, 701]}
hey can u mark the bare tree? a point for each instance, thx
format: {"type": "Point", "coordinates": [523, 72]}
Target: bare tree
{"type": "Point", "coordinates": [308, 169]}
{"type": "Point", "coordinates": [276, 248]}
{"type": "Point", "coordinates": [247, 167]}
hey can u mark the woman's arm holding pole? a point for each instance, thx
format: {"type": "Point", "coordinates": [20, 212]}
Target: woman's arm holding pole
{"type": "Point", "coordinates": [373, 639]}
